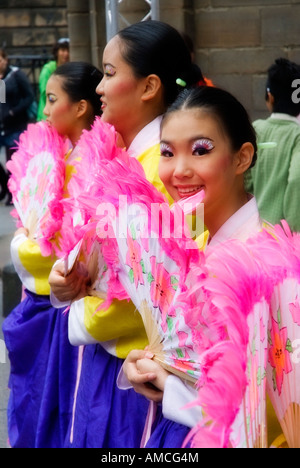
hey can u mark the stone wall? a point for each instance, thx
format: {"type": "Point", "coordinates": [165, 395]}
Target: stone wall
{"type": "Point", "coordinates": [32, 26]}
{"type": "Point", "coordinates": [237, 41]}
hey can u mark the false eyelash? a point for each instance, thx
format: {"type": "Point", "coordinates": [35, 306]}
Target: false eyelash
{"type": "Point", "coordinates": [109, 70]}
{"type": "Point", "coordinates": [165, 149]}
{"type": "Point", "coordinates": [205, 145]}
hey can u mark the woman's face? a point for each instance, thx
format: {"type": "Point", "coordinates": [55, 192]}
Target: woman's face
{"type": "Point", "coordinates": [63, 56]}
{"type": "Point", "coordinates": [196, 155]}
{"type": "Point", "coordinates": [120, 90]}
{"type": "Point", "coordinates": [3, 65]}
{"type": "Point", "coordinates": [59, 110]}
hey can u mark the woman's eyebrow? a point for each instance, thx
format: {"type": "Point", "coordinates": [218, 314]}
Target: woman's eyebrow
{"type": "Point", "coordinates": [200, 137]}
{"type": "Point", "coordinates": [108, 65]}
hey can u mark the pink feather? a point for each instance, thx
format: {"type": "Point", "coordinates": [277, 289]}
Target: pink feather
{"type": "Point", "coordinates": [40, 138]}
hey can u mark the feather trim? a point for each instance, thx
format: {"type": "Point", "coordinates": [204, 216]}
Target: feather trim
{"type": "Point", "coordinates": [236, 276]}
{"type": "Point", "coordinates": [38, 141]}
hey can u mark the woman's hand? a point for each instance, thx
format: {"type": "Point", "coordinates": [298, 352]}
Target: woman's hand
{"type": "Point", "coordinates": [68, 288]}
{"type": "Point", "coordinates": [146, 376]}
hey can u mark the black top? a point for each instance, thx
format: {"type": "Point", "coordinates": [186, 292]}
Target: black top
{"type": "Point", "coordinates": [19, 96]}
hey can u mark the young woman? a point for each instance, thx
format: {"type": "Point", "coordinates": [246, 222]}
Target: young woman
{"type": "Point", "coordinates": [207, 143]}
{"type": "Point", "coordinates": [142, 66]}
{"type": "Point", "coordinates": [43, 363]}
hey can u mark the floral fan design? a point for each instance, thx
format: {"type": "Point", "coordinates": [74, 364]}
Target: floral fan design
{"type": "Point", "coordinates": [144, 258]}
{"type": "Point", "coordinates": [37, 176]}
{"type": "Point", "coordinates": [255, 301]}
{"type": "Point", "coordinates": [283, 371]}
{"type": "Point", "coordinates": [95, 149]}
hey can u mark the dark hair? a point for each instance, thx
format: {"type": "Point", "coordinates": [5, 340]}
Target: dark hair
{"type": "Point", "coordinates": [153, 47]}
{"type": "Point", "coordinates": [63, 44]}
{"type": "Point", "coordinates": [280, 79]}
{"type": "Point", "coordinates": [226, 108]}
{"type": "Point", "coordinates": [80, 81]}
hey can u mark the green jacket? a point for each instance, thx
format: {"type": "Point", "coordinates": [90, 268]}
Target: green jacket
{"type": "Point", "coordinates": [275, 179]}
{"type": "Point", "coordinates": [46, 72]}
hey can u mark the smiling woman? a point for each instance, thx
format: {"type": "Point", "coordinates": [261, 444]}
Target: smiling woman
{"type": "Point", "coordinates": [204, 150]}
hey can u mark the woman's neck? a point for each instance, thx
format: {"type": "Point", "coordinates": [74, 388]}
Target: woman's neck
{"type": "Point", "coordinates": [74, 137]}
{"type": "Point", "coordinates": [141, 121]}
{"type": "Point", "coordinates": [215, 219]}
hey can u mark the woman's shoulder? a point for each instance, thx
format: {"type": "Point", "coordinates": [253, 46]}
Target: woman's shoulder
{"type": "Point", "coordinates": [48, 68]}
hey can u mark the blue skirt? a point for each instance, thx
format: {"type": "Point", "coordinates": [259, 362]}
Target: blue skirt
{"type": "Point", "coordinates": [166, 433]}
{"type": "Point", "coordinates": [43, 374]}
{"type": "Point", "coordinates": [107, 417]}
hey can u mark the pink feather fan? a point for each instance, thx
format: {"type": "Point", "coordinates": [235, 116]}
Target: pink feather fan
{"type": "Point", "coordinates": [37, 178]}
{"type": "Point", "coordinates": [142, 258]}
{"type": "Point", "coordinates": [247, 285]}
{"type": "Point", "coordinates": [229, 315]}
{"type": "Point", "coordinates": [94, 150]}
{"type": "Point", "coordinates": [283, 371]}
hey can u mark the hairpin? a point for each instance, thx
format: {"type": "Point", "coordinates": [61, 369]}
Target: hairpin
{"type": "Point", "coordinates": [181, 83]}
{"type": "Point", "coordinates": [267, 145]}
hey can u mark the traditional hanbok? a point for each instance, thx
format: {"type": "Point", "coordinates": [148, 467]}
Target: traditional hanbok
{"type": "Point", "coordinates": [105, 416]}
{"type": "Point", "coordinates": [43, 362]}
{"type": "Point", "coordinates": [226, 320]}
{"type": "Point", "coordinates": [178, 395]}
{"type": "Point", "coordinates": [271, 336]}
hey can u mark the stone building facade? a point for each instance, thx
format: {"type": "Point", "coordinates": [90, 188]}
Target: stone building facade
{"type": "Point", "coordinates": [32, 26]}
{"type": "Point", "coordinates": [235, 40]}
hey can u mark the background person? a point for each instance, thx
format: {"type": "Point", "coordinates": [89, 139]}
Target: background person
{"type": "Point", "coordinates": [13, 113]}
{"type": "Point", "coordinates": [61, 53]}
{"type": "Point", "coordinates": [274, 181]}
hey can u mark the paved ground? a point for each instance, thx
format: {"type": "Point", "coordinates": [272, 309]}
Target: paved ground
{"type": "Point", "coordinates": [4, 393]}
{"type": "Point", "coordinates": [7, 228]}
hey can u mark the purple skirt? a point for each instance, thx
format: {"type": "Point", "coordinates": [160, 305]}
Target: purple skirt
{"type": "Point", "coordinates": [107, 417]}
{"type": "Point", "coordinates": [166, 433]}
{"type": "Point", "coordinates": [43, 374]}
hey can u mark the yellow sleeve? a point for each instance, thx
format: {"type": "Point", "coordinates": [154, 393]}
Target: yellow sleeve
{"type": "Point", "coordinates": [150, 162]}
{"type": "Point", "coordinates": [32, 268]}
{"type": "Point", "coordinates": [120, 322]}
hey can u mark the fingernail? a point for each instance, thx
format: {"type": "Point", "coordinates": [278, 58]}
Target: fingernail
{"type": "Point", "coordinates": [149, 355]}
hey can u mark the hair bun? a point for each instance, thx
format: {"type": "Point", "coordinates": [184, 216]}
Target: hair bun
{"type": "Point", "coordinates": [193, 75]}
